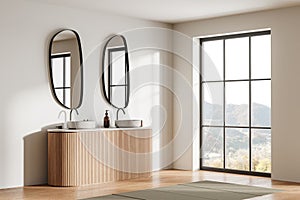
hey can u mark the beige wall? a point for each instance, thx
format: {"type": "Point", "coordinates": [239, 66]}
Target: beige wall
{"type": "Point", "coordinates": [285, 27]}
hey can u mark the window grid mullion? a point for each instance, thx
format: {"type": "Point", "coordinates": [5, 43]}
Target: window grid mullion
{"type": "Point", "coordinates": [224, 104]}
{"type": "Point", "coordinates": [238, 80]}
{"type": "Point", "coordinates": [62, 88]}
{"type": "Point", "coordinates": [64, 80]}
{"type": "Point", "coordinates": [253, 127]}
{"type": "Point", "coordinates": [250, 109]}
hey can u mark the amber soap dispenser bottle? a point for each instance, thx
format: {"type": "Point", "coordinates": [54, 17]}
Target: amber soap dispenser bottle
{"type": "Point", "coordinates": [106, 120]}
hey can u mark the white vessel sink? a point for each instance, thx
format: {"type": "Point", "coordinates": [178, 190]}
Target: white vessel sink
{"type": "Point", "coordinates": [81, 124]}
{"type": "Point", "coordinates": [129, 123]}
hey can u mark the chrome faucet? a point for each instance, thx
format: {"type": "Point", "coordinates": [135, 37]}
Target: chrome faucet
{"type": "Point", "coordinates": [65, 122]}
{"type": "Point", "coordinates": [118, 112]}
{"type": "Point", "coordinates": [71, 113]}
{"type": "Point", "coordinates": [63, 112]}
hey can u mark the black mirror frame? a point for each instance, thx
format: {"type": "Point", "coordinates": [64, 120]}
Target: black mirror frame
{"type": "Point", "coordinates": [81, 68]}
{"type": "Point", "coordinates": [126, 71]}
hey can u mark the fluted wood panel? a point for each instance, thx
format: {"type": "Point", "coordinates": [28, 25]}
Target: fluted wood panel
{"type": "Point", "coordinates": [84, 158]}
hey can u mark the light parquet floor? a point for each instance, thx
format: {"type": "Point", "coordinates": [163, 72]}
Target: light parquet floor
{"type": "Point", "coordinates": [158, 179]}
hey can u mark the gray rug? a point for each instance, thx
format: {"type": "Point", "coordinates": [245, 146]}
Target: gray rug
{"type": "Point", "coordinates": [202, 190]}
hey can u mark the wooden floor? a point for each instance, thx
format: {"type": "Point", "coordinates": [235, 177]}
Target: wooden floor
{"type": "Point", "coordinates": [158, 179]}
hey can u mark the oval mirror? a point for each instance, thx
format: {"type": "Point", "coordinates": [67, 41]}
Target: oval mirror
{"type": "Point", "coordinates": [65, 68]}
{"type": "Point", "coordinates": [115, 72]}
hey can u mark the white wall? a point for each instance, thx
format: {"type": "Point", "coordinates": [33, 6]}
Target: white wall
{"type": "Point", "coordinates": [26, 103]}
{"type": "Point", "coordinates": [285, 26]}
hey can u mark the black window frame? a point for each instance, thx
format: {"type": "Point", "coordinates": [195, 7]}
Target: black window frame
{"type": "Point", "coordinates": [224, 81]}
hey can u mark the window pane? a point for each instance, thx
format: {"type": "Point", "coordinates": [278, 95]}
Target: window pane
{"type": "Point", "coordinates": [67, 98]}
{"type": "Point", "coordinates": [237, 58]}
{"type": "Point", "coordinates": [118, 68]}
{"type": "Point", "coordinates": [237, 103]}
{"type": "Point", "coordinates": [60, 95]}
{"type": "Point", "coordinates": [57, 72]}
{"type": "Point", "coordinates": [261, 103]}
{"type": "Point", "coordinates": [68, 72]}
{"type": "Point", "coordinates": [118, 96]}
{"type": "Point", "coordinates": [237, 148]}
{"type": "Point", "coordinates": [212, 147]}
{"type": "Point", "coordinates": [261, 150]}
{"type": "Point", "coordinates": [212, 104]}
{"type": "Point", "coordinates": [261, 56]}
{"type": "Point", "coordinates": [212, 60]}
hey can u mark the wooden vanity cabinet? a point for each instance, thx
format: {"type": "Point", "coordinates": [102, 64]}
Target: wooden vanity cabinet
{"type": "Point", "coordinates": [79, 158]}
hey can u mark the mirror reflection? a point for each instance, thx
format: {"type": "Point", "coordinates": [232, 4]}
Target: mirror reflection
{"type": "Point", "coordinates": [115, 67]}
{"type": "Point", "coordinates": [65, 61]}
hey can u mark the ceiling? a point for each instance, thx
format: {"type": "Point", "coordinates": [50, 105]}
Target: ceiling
{"type": "Point", "coordinates": [174, 11]}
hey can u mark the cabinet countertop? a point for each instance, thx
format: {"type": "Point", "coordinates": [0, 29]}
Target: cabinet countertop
{"type": "Point", "coordinates": [96, 129]}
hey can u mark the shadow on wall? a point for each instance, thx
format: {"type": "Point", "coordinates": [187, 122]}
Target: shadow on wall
{"type": "Point", "coordinates": [36, 157]}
